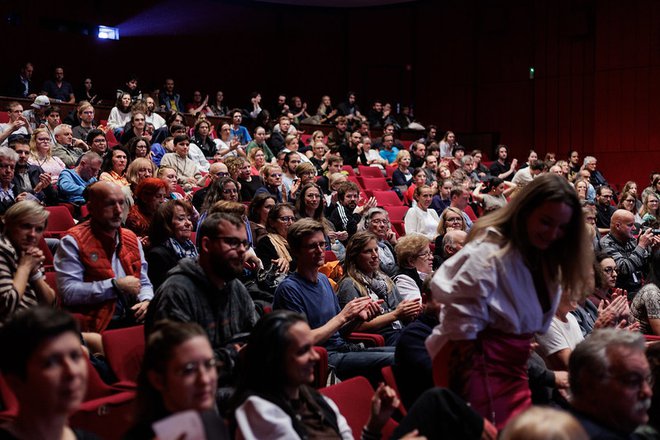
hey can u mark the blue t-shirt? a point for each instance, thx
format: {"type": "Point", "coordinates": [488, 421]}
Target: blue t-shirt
{"type": "Point", "coordinates": [317, 301]}
{"type": "Point", "coordinates": [389, 156]}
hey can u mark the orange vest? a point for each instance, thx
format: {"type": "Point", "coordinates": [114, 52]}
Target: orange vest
{"type": "Point", "coordinates": [96, 257]}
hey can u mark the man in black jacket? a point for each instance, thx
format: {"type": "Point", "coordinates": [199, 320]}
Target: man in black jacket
{"type": "Point", "coordinates": [31, 178]}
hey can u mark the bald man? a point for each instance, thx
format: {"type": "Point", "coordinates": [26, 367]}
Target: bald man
{"type": "Point", "coordinates": [217, 171]}
{"type": "Point", "coordinates": [631, 256]}
{"type": "Point", "coordinates": [100, 266]}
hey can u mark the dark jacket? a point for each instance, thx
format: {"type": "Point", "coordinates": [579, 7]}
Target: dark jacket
{"type": "Point", "coordinates": [187, 295]}
{"type": "Point", "coordinates": [47, 195]}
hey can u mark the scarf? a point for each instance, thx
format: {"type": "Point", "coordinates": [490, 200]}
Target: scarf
{"type": "Point", "coordinates": [186, 249]}
{"type": "Point", "coordinates": [281, 246]}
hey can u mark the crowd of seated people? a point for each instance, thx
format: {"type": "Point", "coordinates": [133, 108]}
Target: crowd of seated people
{"type": "Point", "coordinates": [210, 228]}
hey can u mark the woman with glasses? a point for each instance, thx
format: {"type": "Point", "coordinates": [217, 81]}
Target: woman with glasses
{"type": "Point", "coordinates": [415, 264]}
{"type": "Point", "coordinates": [650, 211]}
{"type": "Point", "coordinates": [273, 248]}
{"type": "Point", "coordinates": [179, 373]}
{"type": "Point", "coordinates": [170, 232]}
{"type": "Point", "coordinates": [450, 219]}
{"type": "Point", "coordinates": [257, 159]}
{"type": "Point", "coordinates": [41, 154]}
{"type": "Point", "coordinates": [628, 201]}
{"type": "Point", "coordinates": [362, 277]}
{"type": "Point", "coordinates": [138, 147]}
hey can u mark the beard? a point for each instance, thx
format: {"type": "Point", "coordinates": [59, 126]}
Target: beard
{"type": "Point", "coordinates": [228, 270]}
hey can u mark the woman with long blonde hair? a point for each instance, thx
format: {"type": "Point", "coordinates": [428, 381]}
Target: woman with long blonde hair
{"type": "Point", "coordinates": [503, 287]}
{"type": "Point", "coordinates": [41, 154]}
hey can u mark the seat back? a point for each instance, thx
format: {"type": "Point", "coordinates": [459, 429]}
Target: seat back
{"type": "Point", "coordinates": [8, 400]}
{"type": "Point", "coordinates": [348, 169]}
{"type": "Point", "coordinates": [390, 380]}
{"type": "Point", "coordinates": [353, 398]}
{"type": "Point", "coordinates": [376, 183]}
{"type": "Point", "coordinates": [366, 171]}
{"type": "Point", "coordinates": [397, 213]}
{"type": "Point", "coordinates": [321, 368]}
{"type": "Point", "coordinates": [124, 350]}
{"type": "Point", "coordinates": [60, 220]}
{"type": "Point", "coordinates": [387, 198]}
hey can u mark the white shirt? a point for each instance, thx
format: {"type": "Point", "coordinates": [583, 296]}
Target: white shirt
{"type": "Point", "coordinates": [484, 286]}
{"type": "Point", "coordinates": [560, 335]}
{"type": "Point", "coordinates": [422, 222]}
{"type": "Point", "coordinates": [260, 419]}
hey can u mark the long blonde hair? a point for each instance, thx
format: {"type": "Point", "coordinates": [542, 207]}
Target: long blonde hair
{"type": "Point", "coordinates": [33, 144]}
{"type": "Point", "coordinates": [355, 245]}
{"type": "Point", "coordinates": [568, 259]}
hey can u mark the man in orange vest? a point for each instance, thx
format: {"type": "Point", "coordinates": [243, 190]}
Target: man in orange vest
{"type": "Point", "coordinates": [101, 270]}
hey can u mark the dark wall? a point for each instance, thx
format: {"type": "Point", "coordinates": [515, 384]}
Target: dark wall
{"type": "Point", "coordinates": [463, 64]}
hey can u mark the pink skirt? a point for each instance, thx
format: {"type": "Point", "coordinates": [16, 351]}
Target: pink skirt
{"type": "Point", "coordinates": [491, 374]}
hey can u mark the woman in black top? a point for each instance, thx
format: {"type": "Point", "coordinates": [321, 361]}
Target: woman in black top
{"type": "Point", "coordinates": [170, 233]}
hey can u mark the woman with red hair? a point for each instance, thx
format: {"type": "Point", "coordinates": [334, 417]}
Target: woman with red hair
{"type": "Point", "coordinates": [149, 194]}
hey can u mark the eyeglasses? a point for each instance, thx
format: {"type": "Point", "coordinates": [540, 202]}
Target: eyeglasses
{"type": "Point", "coordinates": [380, 221]}
{"type": "Point", "coordinates": [275, 175]}
{"type": "Point", "coordinates": [233, 242]}
{"type": "Point", "coordinates": [425, 254]}
{"type": "Point", "coordinates": [43, 140]}
{"type": "Point", "coordinates": [635, 380]}
{"type": "Point", "coordinates": [221, 174]}
{"type": "Point", "coordinates": [453, 220]}
{"type": "Point", "coordinates": [192, 368]}
{"type": "Point", "coordinates": [609, 270]}
{"type": "Point", "coordinates": [287, 219]}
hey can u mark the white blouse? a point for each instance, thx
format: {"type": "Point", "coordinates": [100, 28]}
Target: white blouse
{"type": "Point", "coordinates": [486, 286]}
{"type": "Point", "coordinates": [421, 222]}
{"type": "Point", "coordinates": [259, 419]}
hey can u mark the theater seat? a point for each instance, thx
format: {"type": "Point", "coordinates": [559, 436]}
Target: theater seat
{"type": "Point", "coordinates": [387, 198]}
{"type": "Point", "coordinates": [353, 398]}
{"type": "Point", "coordinates": [365, 171]}
{"type": "Point", "coordinates": [321, 368]}
{"type": "Point", "coordinates": [124, 351]}
{"type": "Point", "coordinates": [60, 220]}
{"type": "Point", "coordinates": [106, 411]}
{"type": "Point", "coordinates": [376, 183]}
{"type": "Point", "coordinates": [8, 401]}
{"type": "Point", "coordinates": [348, 169]}
{"type": "Point", "coordinates": [397, 213]}
{"type": "Point", "coordinates": [390, 380]}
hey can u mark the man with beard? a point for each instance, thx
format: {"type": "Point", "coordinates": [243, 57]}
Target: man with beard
{"type": "Point", "coordinates": [611, 383]}
{"type": "Point", "coordinates": [100, 266]}
{"type": "Point", "coordinates": [153, 118]}
{"type": "Point", "coordinates": [348, 214]}
{"type": "Point", "coordinates": [206, 290]}
{"type": "Point", "coordinates": [31, 178]}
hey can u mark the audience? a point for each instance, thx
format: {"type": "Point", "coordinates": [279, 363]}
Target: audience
{"type": "Point", "coordinates": [309, 292]}
{"type": "Point", "coordinates": [105, 278]}
{"type": "Point", "coordinates": [362, 277]}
